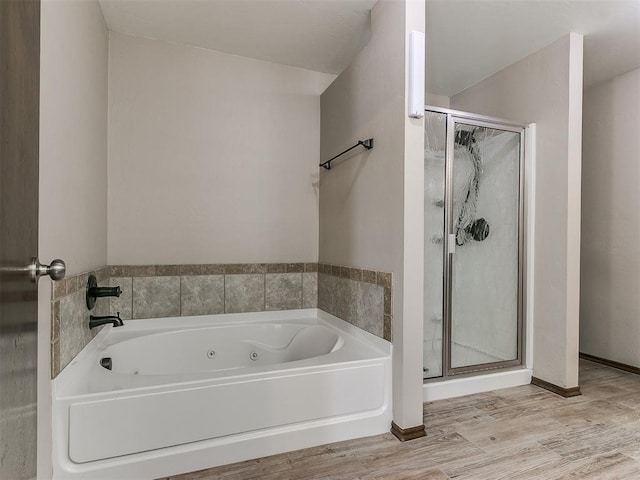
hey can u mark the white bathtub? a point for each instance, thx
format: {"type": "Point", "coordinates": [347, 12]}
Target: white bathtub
{"type": "Point", "coordinates": [189, 393]}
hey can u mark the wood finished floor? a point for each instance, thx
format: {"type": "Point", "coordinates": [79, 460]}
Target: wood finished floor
{"type": "Point", "coordinates": [516, 433]}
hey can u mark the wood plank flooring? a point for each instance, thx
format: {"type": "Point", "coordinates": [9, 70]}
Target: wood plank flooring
{"type": "Point", "coordinates": [516, 433]}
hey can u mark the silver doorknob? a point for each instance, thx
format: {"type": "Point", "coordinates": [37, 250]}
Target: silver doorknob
{"type": "Point", "coordinates": [56, 269]}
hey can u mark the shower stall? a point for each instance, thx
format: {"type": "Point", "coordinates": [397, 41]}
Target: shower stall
{"type": "Point", "coordinates": [474, 244]}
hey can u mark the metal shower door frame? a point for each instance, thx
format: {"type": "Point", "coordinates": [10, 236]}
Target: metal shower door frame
{"type": "Point", "coordinates": [457, 117]}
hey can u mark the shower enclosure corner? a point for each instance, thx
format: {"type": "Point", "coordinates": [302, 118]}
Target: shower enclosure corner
{"type": "Point", "coordinates": [473, 208]}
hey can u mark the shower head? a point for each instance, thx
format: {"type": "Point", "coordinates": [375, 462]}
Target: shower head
{"type": "Point", "coordinates": [465, 138]}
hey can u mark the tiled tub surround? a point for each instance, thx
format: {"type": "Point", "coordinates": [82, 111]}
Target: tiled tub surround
{"type": "Point", "coordinates": [70, 317]}
{"type": "Point", "coordinates": [359, 296]}
{"type": "Point", "coordinates": [183, 290]}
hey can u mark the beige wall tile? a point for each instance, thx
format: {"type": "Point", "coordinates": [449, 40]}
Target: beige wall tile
{"type": "Point", "coordinates": [244, 293]}
{"type": "Point", "coordinates": [276, 268]}
{"type": "Point", "coordinates": [310, 290]}
{"type": "Point", "coordinates": [246, 268]}
{"type": "Point", "coordinates": [283, 291]}
{"type": "Point", "coordinates": [368, 313]}
{"type": "Point", "coordinates": [295, 267]}
{"type": "Point", "coordinates": [201, 295]}
{"type": "Point", "coordinates": [361, 302]}
{"type": "Point", "coordinates": [156, 297]}
{"type": "Point", "coordinates": [74, 326]}
{"type": "Point", "coordinates": [167, 270]}
{"type": "Point", "coordinates": [123, 303]}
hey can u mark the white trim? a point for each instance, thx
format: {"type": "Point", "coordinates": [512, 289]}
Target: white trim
{"type": "Point", "coordinates": [476, 117]}
{"type": "Point", "coordinates": [530, 219]}
{"type": "Point", "coordinates": [458, 387]}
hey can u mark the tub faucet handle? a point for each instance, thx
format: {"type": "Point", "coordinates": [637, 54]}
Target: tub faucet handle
{"type": "Point", "coordinates": [94, 292]}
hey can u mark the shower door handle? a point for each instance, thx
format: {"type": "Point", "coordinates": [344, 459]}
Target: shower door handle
{"type": "Point", "coordinates": [451, 243]}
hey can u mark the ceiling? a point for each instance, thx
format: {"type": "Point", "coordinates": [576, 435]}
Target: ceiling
{"type": "Point", "coordinates": [320, 35]}
{"type": "Point", "coordinates": [469, 40]}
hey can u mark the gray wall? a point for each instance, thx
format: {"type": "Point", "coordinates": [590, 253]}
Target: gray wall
{"type": "Point", "coordinates": [73, 134]}
{"type": "Point", "coordinates": [434, 100]}
{"type": "Point", "coordinates": [546, 88]}
{"type": "Point", "coordinates": [610, 277]}
{"type": "Point", "coordinates": [213, 158]}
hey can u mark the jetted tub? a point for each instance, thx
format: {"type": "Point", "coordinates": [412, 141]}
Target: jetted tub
{"type": "Point", "coordinates": [165, 396]}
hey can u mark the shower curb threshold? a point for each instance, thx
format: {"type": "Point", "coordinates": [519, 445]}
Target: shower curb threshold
{"type": "Point", "coordinates": [459, 387]}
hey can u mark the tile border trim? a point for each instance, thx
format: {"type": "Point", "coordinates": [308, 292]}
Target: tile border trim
{"type": "Point", "coordinates": [209, 269]}
{"type": "Point", "coordinates": [384, 279]}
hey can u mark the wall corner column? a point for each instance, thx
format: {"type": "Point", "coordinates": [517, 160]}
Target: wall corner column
{"type": "Point", "coordinates": [408, 335]}
{"type": "Point", "coordinates": [574, 188]}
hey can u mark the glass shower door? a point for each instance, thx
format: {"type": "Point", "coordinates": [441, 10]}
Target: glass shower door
{"type": "Point", "coordinates": [484, 185]}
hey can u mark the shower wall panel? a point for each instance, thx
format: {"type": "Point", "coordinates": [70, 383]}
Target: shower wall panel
{"type": "Point", "coordinates": [434, 163]}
